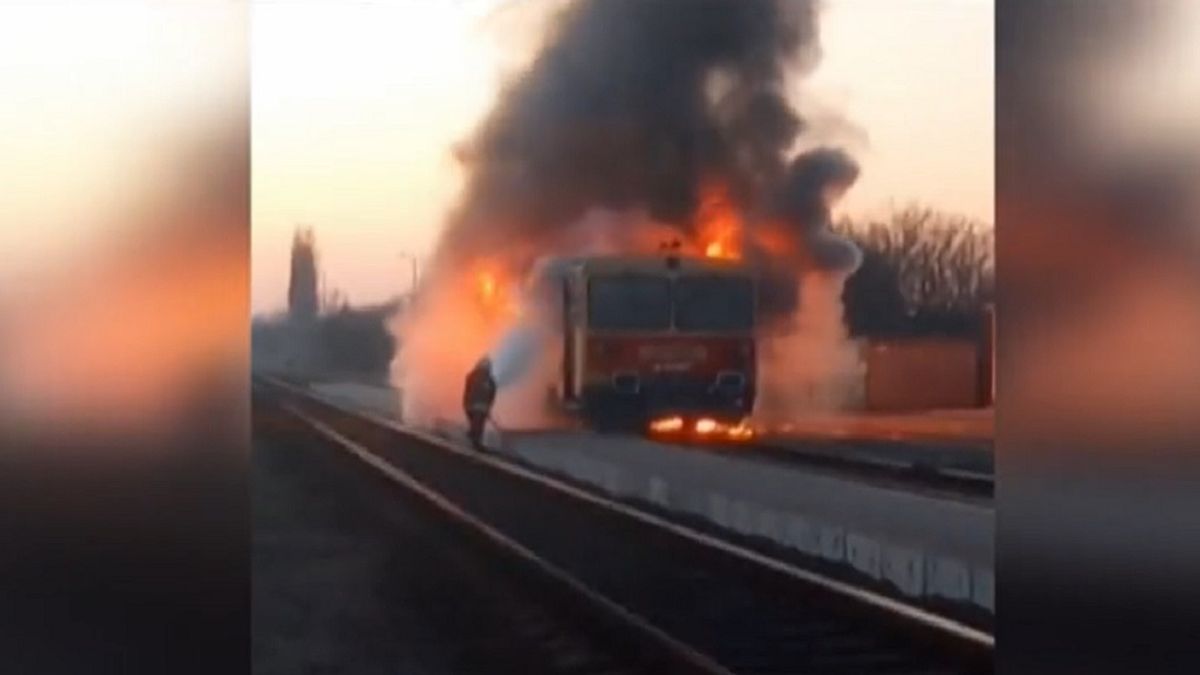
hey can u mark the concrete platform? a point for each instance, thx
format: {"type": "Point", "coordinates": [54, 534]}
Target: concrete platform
{"type": "Point", "coordinates": [921, 544]}
{"type": "Point", "coordinates": [970, 426]}
{"type": "Point", "coordinates": [962, 457]}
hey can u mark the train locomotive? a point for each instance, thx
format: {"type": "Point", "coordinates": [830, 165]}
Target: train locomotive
{"type": "Point", "coordinates": [663, 344]}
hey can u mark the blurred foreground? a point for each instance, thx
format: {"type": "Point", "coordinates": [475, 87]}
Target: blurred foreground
{"type": "Point", "coordinates": [123, 330]}
{"type": "Point", "coordinates": [1098, 168]}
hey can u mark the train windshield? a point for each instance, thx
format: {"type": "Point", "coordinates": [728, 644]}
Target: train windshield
{"type": "Point", "coordinates": [629, 302]}
{"type": "Point", "coordinates": [714, 303]}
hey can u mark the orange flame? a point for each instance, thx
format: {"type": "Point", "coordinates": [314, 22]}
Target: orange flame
{"type": "Point", "coordinates": [487, 287]}
{"type": "Point", "coordinates": [666, 425]}
{"type": "Point", "coordinates": [705, 427]}
{"type": "Point", "coordinates": [742, 432]}
{"type": "Point", "coordinates": [773, 237]}
{"type": "Point", "coordinates": [494, 293]}
{"type": "Point", "coordinates": [719, 223]}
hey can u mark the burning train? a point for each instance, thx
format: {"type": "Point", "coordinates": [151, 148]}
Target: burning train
{"type": "Point", "coordinates": [680, 126]}
{"type": "Point", "coordinates": [660, 342]}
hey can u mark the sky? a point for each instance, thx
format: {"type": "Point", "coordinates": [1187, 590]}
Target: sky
{"type": "Point", "coordinates": [356, 106]}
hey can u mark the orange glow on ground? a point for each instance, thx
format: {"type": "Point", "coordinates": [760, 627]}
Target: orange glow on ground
{"type": "Point", "coordinates": [741, 432]}
{"type": "Point", "coordinates": [705, 428]}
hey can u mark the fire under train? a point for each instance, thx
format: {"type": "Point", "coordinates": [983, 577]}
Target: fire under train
{"type": "Point", "coordinates": [663, 344]}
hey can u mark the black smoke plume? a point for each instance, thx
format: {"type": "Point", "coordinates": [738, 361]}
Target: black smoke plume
{"type": "Point", "coordinates": [635, 104]}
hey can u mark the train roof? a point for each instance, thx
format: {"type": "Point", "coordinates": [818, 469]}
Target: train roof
{"type": "Point", "coordinates": [678, 263]}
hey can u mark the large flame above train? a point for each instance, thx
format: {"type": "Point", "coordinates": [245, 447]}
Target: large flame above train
{"type": "Point", "coordinates": [635, 126]}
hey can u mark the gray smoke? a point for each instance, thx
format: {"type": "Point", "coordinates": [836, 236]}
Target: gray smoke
{"type": "Point", "coordinates": [633, 104]}
{"type": "Point", "coordinates": [629, 110]}
{"type": "Point", "coordinates": [815, 180]}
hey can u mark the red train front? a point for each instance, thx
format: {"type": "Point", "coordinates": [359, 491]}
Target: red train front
{"type": "Point", "coordinates": [659, 343]}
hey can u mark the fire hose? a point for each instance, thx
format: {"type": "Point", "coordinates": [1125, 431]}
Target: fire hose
{"type": "Point", "coordinates": [495, 424]}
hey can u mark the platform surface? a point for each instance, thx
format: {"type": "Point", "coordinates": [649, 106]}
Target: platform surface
{"type": "Point", "coordinates": [924, 545]}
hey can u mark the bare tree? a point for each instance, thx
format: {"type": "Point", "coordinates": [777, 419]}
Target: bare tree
{"type": "Point", "coordinates": [923, 271]}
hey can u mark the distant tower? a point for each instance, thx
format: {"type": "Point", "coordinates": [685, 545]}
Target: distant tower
{"type": "Point", "coordinates": [302, 288]}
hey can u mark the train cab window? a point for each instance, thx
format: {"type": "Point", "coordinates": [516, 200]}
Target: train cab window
{"type": "Point", "coordinates": [714, 303]}
{"type": "Point", "coordinates": [629, 302]}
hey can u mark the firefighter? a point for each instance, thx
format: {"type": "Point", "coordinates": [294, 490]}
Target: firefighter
{"type": "Point", "coordinates": [479, 392]}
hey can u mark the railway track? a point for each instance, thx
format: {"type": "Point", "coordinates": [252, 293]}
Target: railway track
{"type": "Point", "coordinates": [889, 463]}
{"type": "Point", "coordinates": [879, 467]}
{"type": "Point", "coordinates": [476, 602]}
{"type": "Point", "coordinates": [679, 599]}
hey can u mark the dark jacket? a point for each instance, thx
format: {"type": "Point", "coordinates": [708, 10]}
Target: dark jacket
{"type": "Point", "coordinates": [479, 391]}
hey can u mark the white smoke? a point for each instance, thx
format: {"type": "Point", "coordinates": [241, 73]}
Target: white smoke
{"type": "Point", "coordinates": [526, 363]}
{"type": "Point", "coordinates": [810, 365]}
{"type": "Point", "coordinates": [516, 353]}
{"type": "Point", "coordinates": [440, 339]}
